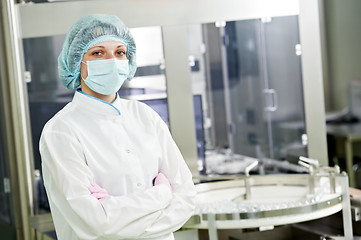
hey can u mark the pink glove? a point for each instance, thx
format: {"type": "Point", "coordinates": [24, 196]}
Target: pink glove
{"type": "Point", "coordinates": [162, 179]}
{"type": "Point", "coordinates": [97, 191]}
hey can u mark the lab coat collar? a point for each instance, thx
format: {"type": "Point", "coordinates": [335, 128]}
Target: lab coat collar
{"type": "Point", "coordinates": [96, 105]}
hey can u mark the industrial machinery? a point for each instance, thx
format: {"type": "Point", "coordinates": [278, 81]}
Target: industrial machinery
{"type": "Point", "coordinates": [265, 201]}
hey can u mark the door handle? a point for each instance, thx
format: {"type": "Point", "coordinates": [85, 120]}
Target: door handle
{"type": "Point", "coordinates": [274, 101]}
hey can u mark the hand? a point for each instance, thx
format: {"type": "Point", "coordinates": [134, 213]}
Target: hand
{"type": "Point", "coordinates": [162, 179]}
{"type": "Point", "coordinates": [97, 191]}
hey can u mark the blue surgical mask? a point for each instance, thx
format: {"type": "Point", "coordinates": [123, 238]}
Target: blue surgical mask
{"type": "Point", "coordinates": [106, 76]}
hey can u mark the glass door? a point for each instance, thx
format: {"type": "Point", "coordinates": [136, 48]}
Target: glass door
{"type": "Point", "coordinates": [265, 87]}
{"type": "Point", "coordinates": [283, 92]}
{"type": "Point", "coordinates": [246, 77]}
{"type": "Point", "coordinates": [249, 75]}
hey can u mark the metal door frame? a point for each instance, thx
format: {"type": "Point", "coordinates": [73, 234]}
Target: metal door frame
{"type": "Point", "coordinates": [17, 122]}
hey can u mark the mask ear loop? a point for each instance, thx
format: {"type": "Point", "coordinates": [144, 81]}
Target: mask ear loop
{"type": "Point", "coordinates": [80, 72]}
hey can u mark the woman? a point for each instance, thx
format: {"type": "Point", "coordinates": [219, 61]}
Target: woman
{"type": "Point", "coordinates": [111, 169]}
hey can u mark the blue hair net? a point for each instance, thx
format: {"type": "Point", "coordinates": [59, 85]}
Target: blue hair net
{"type": "Point", "coordinates": [85, 33]}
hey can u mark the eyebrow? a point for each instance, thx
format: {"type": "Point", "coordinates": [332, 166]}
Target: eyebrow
{"type": "Point", "coordinates": [96, 47]}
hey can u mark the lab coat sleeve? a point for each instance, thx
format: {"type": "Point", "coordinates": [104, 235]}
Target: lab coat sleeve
{"type": "Point", "coordinates": [67, 179]}
{"type": "Point", "coordinates": [176, 170]}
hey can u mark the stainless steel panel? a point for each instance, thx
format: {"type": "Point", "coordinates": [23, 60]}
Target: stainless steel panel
{"type": "Point", "coordinates": [310, 35]}
{"type": "Point", "coordinates": [49, 19]}
{"type": "Point", "coordinates": [179, 92]}
{"type": "Point", "coordinates": [5, 196]}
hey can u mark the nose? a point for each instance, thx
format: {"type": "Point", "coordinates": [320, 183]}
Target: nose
{"type": "Point", "coordinates": [110, 56]}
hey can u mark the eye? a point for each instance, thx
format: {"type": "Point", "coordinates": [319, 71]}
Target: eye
{"type": "Point", "coordinates": [121, 53]}
{"type": "Point", "coordinates": [96, 53]}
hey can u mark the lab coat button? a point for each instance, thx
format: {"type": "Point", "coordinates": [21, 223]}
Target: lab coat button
{"type": "Point", "coordinates": [128, 151]}
{"type": "Point", "coordinates": [139, 184]}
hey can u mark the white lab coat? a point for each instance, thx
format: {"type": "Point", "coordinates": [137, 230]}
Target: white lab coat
{"type": "Point", "coordinates": [121, 147]}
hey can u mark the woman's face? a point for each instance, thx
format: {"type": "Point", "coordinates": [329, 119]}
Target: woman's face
{"type": "Point", "coordinates": [101, 51]}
